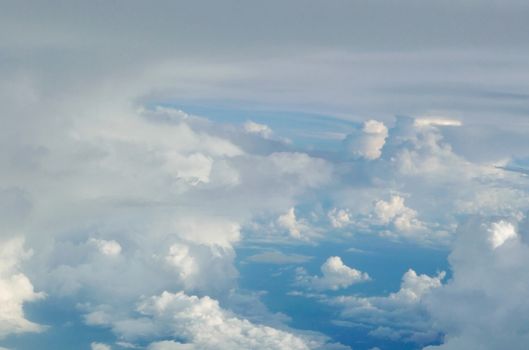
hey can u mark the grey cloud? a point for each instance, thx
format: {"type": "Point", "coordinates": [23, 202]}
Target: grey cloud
{"type": "Point", "coordinates": [213, 25]}
{"type": "Point", "coordinates": [276, 257]}
{"type": "Point", "coordinates": [484, 305]}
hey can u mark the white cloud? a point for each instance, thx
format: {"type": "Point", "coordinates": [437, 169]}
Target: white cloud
{"type": "Point", "coordinates": [109, 248]}
{"type": "Point", "coordinates": [126, 345]}
{"type": "Point", "coordinates": [202, 323]}
{"type": "Point", "coordinates": [368, 141]}
{"type": "Point", "coordinates": [395, 211]}
{"type": "Point", "coordinates": [500, 232]}
{"type": "Point", "coordinates": [200, 266]}
{"type": "Point", "coordinates": [290, 222]}
{"type": "Point", "coordinates": [276, 257]}
{"type": "Point", "coordinates": [212, 231]}
{"type": "Point", "coordinates": [259, 129]}
{"type": "Point", "coordinates": [170, 345]}
{"type": "Point", "coordinates": [301, 168]}
{"type": "Point", "coordinates": [99, 346]}
{"type": "Point", "coordinates": [194, 168]}
{"type": "Point", "coordinates": [437, 121]}
{"type": "Point", "coordinates": [165, 193]}
{"type": "Point", "coordinates": [400, 315]}
{"type": "Point", "coordinates": [485, 305]}
{"type": "Point", "coordinates": [174, 189]}
{"type": "Point", "coordinates": [339, 217]}
{"type": "Point", "coordinates": [180, 258]}
{"type": "Point", "coordinates": [15, 290]}
{"type": "Point", "coordinates": [414, 287]}
{"type": "Point", "coordinates": [335, 275]}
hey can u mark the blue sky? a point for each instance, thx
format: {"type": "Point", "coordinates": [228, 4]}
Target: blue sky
{"type": "Point", "coordinates": [264, 175]}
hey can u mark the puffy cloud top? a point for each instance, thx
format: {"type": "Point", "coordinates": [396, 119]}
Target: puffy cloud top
{"type": "Point", "coordinates": [109, 248]}
{"type": "Point", "coordinates": [205, 325]}
{"type": "Point", "coordinates": [256, 128]}
{"type": "Point", "coordinates": [15, 290]}
{"type": "Point", "coordinates": [368, 141]}
{"type": "Point", "coordinates": [500, 232]}
{"type": "Point", "coordinates": [335, 275]}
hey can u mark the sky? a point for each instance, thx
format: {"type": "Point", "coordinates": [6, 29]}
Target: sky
{"type": "Point", "coordinates": [266, 175]}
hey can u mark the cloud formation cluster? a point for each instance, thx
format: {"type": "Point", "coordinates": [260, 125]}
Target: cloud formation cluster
{"type": "Point", "coordinates": [125, 200]}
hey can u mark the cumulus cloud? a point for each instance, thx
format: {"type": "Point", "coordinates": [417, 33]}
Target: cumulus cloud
{"type": "Point", "coordinates": [259, 129]}
{"type": "Point", "coordinates": [485, 305]}
{"type": "Point", "coordinates": [99, 346]}
{"type": "Point", "coordinates": [500, 232]}
{"type": "Point", "coordinates": [368, 141]}
{"type": "Point", "coordinates": [419, 150]}
{"type": "Point", "coordinates": [169, 193]}
{"type": "Point", "coordinates": [289, 222]}
{"type": "Point", "coordinates": [203, 324]}
{"type": "Point", "coordinates": [165, 192]}
{"type": "Point", "coordinates": [15, 290]}
{"type": "Point", "coordinates": [395, 212]}
{"type": "Point", "coordinates": [401, 315]}
{"type": "Point", "coordinates": [180, 258]}
{"type": "Point", "coordinates": [109, 248]}
{"type": "Point", "coordinates": [339, 217]}
{"type": "Point", "coordinates": [335, 275]}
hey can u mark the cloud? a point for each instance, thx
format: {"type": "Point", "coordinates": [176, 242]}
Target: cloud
{"type": "Point", "coordinates": [437, 121]}
{"type": "Point", "coordinates": [170, 345]}
{"type": "Point", "coordinates": [109, 248]}
{"type": "Point", "coordinates": [260, 129]}
{"type": "Point", "coordinates": [395, 212]}
{"type": "Point", "coordinates": [276, 257]}
{"type": "Point", "coordinates": [485, 304]}
{"type": "Point", "coordinates": [368, 141]}
{"type": "Point", "coordinates": [289, 222]}
{"type": "Point", "coordinates": [339, 217]}
{"type": "Point", "coordinates": [80, 160]}
{"type": "Point", "coordinates": [500, 232]}
{"type": "Point", "coordinates": [180, 258]}
{"type": "Point", "coordinates": [401, 315]}
{"type": "Point", "coordinates": [201, 323]}
{"type": "Point", "coordinates": [99, 346]}
{"type": "Point", "coordinates": [15, 290]}
{"type": "Point", "coordinates": [335, 275]}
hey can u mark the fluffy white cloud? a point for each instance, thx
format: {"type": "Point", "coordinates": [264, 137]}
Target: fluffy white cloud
{"type": "Point", "coordinates": [100, 346]}
{"type": "Point", "coordinates": [485, 305]}
{"type": "Point", "coordinates": [151, 199]}
{"type": "Point", "coordinates": [500, 232]}
{"type": "Point", "coordinates": [256, 128]}
{"type": "Point", "coordinates": [15, 290]}
{"type": "Point", "coordinates": [398, 316]}
{"type": "Point", "coordinates": [368, 141]}
{"type": "Point", "coordinates": [335, 275]}
{"type": "Point", "coordinates": [174, 190]}
{"type": "Point", "coordinates": [290, 222]}
{"type": "Point", "coordinates": [212, 232]}
{"type": "Point", "coordinates": [202, 324]}
{"type": "Point", "coordinates": [395, 211]}
{"type": "Point", "coordinates": [300, 167]}
{"type": "Point", "coordinates": [180, 258]}
{"type": "Point", "coordinates": [110, 248]}
{"type": "Point", "coordinates": [339, 217]}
